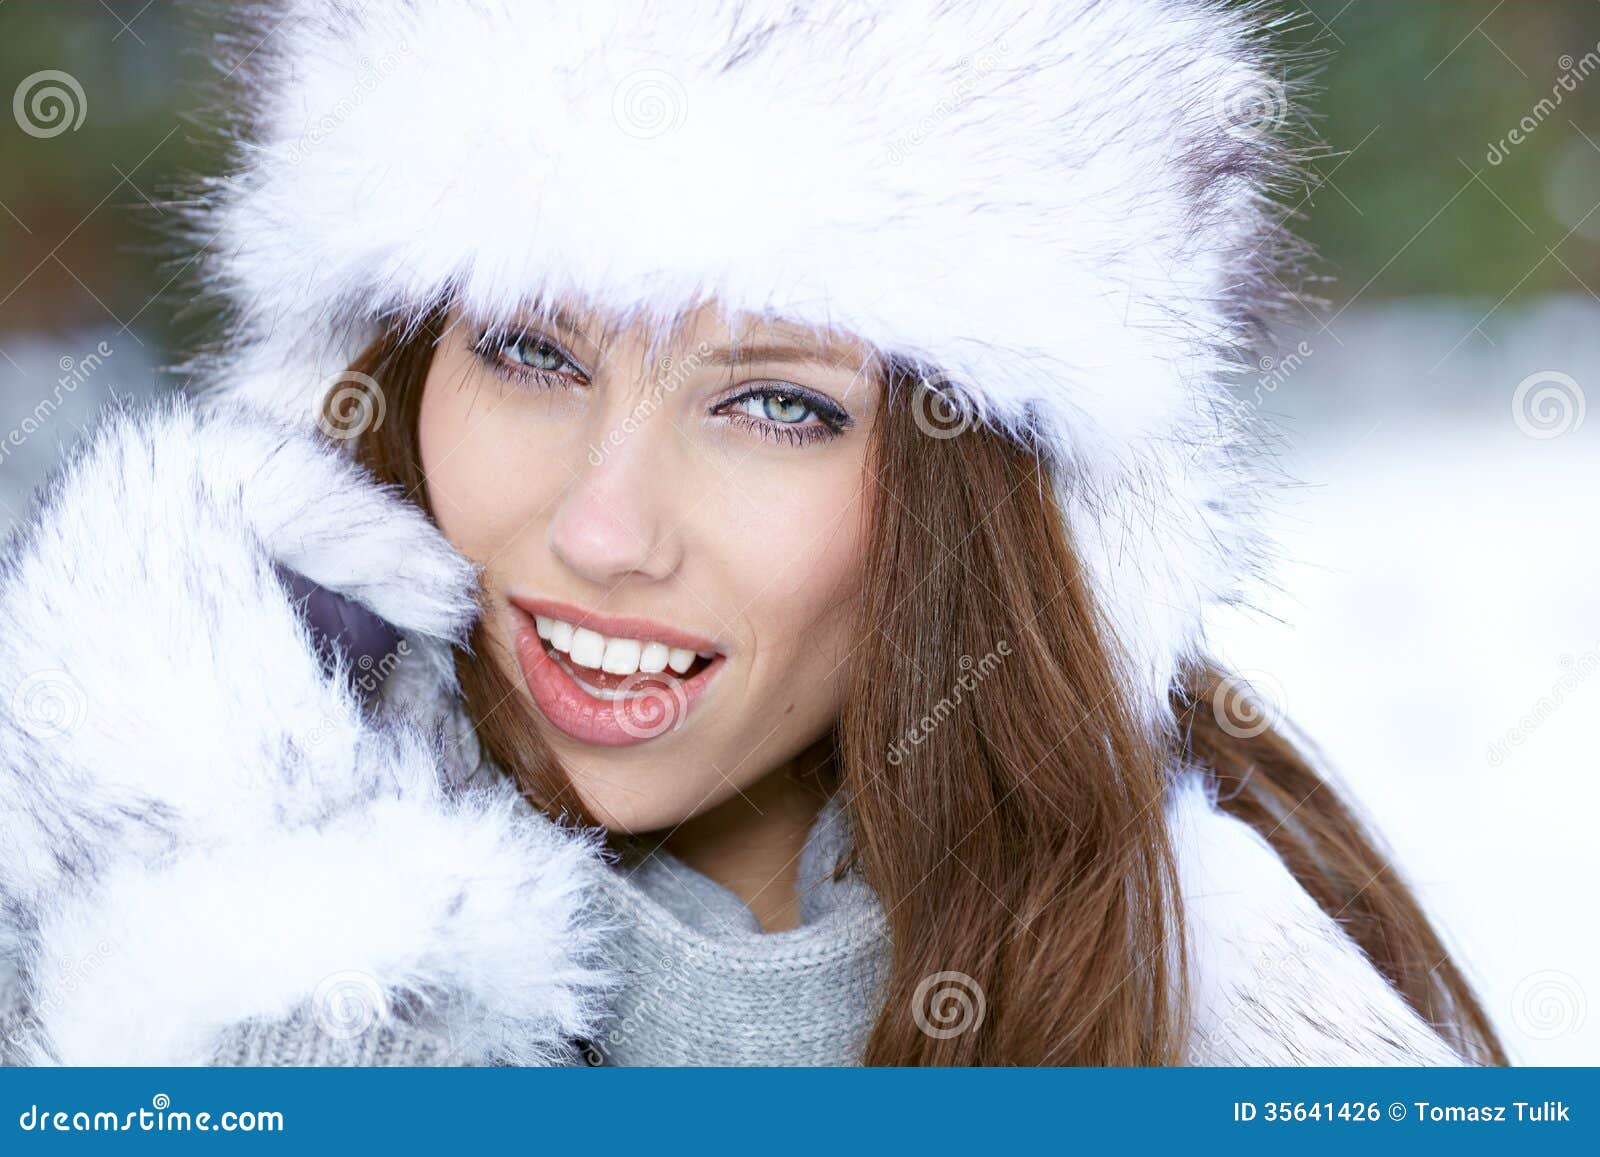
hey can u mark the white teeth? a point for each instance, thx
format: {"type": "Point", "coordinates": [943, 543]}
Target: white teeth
{"type": "Point", "coordinates": [615, 656]}
{"type": "Point", "coordinates": [621, 656]}
{"type": "Point", "coordinates": [653, 658]}
{"type": "Point", "coordinates": [588, 647]}
{"type": "Point", "coordinates": [610, 694]}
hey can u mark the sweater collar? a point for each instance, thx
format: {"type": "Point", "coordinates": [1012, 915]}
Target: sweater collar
{"type": "Point", "coordinates": [701, 984]}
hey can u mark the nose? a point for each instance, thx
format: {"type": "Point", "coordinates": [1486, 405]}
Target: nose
{"type": "Point", "coordinates": [614, 522]}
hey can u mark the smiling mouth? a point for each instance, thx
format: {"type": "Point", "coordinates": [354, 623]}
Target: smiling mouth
{"type": "Point", "coordinates": [608, 665]}
{"type": "Point", "coordinates": [610, 689]}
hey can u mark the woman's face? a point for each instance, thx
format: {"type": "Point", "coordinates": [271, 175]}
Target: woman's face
{"type": "Point", "coordinates": [670, 538]}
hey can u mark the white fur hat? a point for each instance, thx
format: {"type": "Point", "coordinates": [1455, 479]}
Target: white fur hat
{"type": "Point", "coordinates": [1057, 206]}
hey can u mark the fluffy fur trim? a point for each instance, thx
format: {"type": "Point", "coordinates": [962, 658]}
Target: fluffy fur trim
{"type": "Point", "coordinates": [1055, 210]}
{"type": "Point", "coordinates": [202, 826]}
{"type": "Point", "coordinates": [1274, 980]}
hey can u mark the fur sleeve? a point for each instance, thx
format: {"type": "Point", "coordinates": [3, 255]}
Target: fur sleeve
{"type": "Point", "coordinates": [200, 828]}
{"type": "Point", "coordinates": [1274, 980]}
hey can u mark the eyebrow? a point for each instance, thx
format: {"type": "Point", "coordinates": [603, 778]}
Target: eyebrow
{"type": "Point", "coordinates": [571, 326]}
{"type": "Point", "coordinates": [793, 352]}
{"type": "Point", "coordinates": [781, 352]}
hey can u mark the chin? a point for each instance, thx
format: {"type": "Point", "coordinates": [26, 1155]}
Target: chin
{"type": "Point", "coordinates": [636, 812]}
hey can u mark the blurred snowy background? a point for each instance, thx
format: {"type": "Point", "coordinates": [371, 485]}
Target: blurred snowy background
{"type": "Point", "coordinates": [1436, 630]}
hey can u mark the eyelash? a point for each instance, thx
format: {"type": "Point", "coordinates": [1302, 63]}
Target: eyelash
{"type": "Point", "coordinates": [831, 420]}
{"type": "Point", "coordinates": [492, 344]}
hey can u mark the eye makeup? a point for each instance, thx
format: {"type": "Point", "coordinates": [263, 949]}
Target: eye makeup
{"type": "Point", "coordinates": [524, 354]}
{"type": "Point", "coordinates": [828, 418]}
{"type": "Point", "coordinates": [764, 407]}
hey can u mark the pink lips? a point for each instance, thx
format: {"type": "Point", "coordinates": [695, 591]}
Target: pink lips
{"type": "Point", "coordinates": [616, 626]}
{"type": "Point", "coordinates": [654, 705]}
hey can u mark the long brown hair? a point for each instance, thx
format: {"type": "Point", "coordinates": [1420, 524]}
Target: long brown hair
{"type": "Point", "coordinates": [1007, 807]}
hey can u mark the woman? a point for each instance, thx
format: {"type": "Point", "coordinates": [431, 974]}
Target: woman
{"type": "Point", "coordinates": [775, 632]}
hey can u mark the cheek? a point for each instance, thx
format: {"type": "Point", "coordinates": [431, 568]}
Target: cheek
{"type": "Point", "coordinates": [799, 553]}
{"type": "Point", "coordinates": [471, 447]}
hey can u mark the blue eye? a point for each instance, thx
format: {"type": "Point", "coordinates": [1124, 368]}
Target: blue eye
{"type": "Point", "coordinates": [527, 353]}
{"type": "Point", "coordinates": [787, 409]}
{"type": "Point", "coordinates": [783, 410]}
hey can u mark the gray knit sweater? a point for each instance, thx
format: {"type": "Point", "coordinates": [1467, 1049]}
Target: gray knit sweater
{"type": "Point", "coordinates": [703, 985]}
